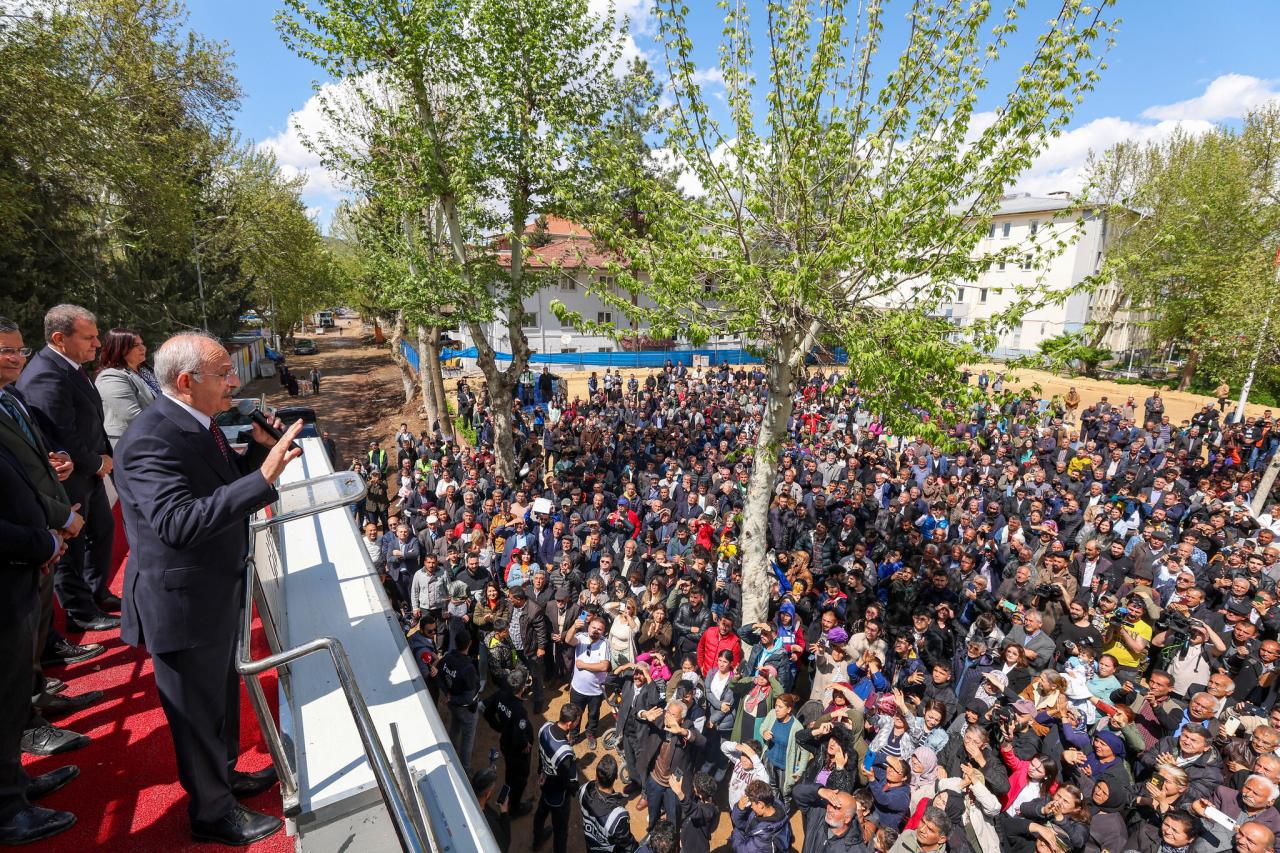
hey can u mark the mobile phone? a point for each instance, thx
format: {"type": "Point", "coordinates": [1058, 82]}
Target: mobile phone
{"type": "Point", "coordinates": [503, 793]}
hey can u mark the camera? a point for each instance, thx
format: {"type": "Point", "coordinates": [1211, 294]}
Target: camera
{"type": "Point", "coordinates": [1178, 628]}
{"type": "Point", "coordinates": [1047, 592]}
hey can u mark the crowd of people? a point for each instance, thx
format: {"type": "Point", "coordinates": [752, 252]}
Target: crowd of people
{"type": "Point", "coordinates": [1056, 633]}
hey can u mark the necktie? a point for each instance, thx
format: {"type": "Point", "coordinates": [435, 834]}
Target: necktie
{"type": "Point", "coordinates": [11, 407]}
{"type": "Point", "coordinates": [220, 440]}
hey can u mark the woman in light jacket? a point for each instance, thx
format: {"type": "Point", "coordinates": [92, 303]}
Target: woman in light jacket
{"type": "Point", "coordinates": [124, 382]}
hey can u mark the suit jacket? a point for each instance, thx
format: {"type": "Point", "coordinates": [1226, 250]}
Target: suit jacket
{"type": "Point", "coordinates": [186, 513]}
{"type": "Point", "coordinates": [34, 460]}
{"type": "Point", "coordinates": [124, 396]}
{"type": "Point", "coordinates": [70, 413]}
{"type": "Point", "coordinates": [24, 531]}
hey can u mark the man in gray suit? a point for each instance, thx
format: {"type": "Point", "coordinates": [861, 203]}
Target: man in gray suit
{"type": "Point", "coordinates": [22, 436]}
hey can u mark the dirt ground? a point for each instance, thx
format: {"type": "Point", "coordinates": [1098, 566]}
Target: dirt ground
{"type": "Point", "coordinates": [360, 393]}
{"type": "Point", "coordinates": [361, 399]}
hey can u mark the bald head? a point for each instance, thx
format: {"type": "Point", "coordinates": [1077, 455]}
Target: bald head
{"type": "Point", "coordinates": [840, 811]}
{"type": "Point", "coordinates": [1253, 837]}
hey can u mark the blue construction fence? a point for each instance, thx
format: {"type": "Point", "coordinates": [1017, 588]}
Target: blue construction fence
{"type": "Point", "coordinates": [643, 358]}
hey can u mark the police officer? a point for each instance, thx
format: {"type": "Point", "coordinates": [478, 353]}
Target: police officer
{"type": "Point", "coordinates": [605, 822]}
{"type": "Point", "coordinates": [558, 777]}
{"type": "Point", "coordinates": [505, 712]}
{"type": "Point", "coordinates": [462, 692]}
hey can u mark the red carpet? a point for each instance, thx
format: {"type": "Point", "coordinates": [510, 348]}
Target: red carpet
{"type": "Point", "coordinates": [127, 797]}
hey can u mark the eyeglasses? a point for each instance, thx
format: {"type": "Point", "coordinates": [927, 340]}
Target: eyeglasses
{"type": "Point", "coordinates": [224, 376]}
{"type": "Point", "coordinates": [10, 352]}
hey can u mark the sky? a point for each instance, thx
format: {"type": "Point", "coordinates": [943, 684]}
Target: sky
{"type": "Point", "coordinates": [1176, 63]}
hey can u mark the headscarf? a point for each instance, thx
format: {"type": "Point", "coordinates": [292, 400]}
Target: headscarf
{"type": "Point", "coordinates": [928, 774]}
{"type": "Point", "coordinates": [759, 694]}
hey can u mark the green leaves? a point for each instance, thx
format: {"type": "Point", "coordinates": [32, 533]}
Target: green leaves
{"type": "Point", "coordinates": [1197, 222]}
{"type": "Point", "coordinates": [117, 156]}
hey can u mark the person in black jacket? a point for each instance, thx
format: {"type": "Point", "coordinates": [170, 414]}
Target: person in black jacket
{"type": "Point", "coordinates": [30, 546]}
{"type": "Point", "coordinates": [506, 713]}
{"type": "Point", "coordinates": [606, 826]}
{"type": "Point", "coordinates": [698, 815]}
{"type": "Point", "coordinates": [558, 773]}
{"type": "Point", "coordinates": [692, 618]}
{"type": "Point", "coordinates": [462, 692]}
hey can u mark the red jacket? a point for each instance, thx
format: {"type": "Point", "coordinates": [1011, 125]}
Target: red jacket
{"type": "Point", "coordinates": [710, 646]}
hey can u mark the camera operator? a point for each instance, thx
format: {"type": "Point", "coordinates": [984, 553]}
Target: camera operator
{"type": "Point", "coordinates": [1189, 647]}
{"type": "Point", "coordinates": [1127, 638]}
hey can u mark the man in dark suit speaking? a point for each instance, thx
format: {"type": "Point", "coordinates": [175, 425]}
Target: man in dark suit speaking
{"type": "Point", "coordinates": [187, 498]}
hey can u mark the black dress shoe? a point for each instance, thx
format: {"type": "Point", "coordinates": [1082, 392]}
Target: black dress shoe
{"type": "Point", "coordinates": [43, 786]}
{"type": "Point", "coordinates": [66, 652]}
{"type": "Point", "coordinates": [34, 824]}
{"type": "Point", "coordinates": [241, 827]}
{"type": "Point", "coordinates": [109, 604]}
{"type": "Point", "coordinates": [47, 704]}
{"type": "Point", "coordinates": [54, 685]}
{"type": "Point", "coordinates": [245, 785]}
{"type": "Point", "coordinates": [102, 622]}
{"type": "Point", "coordinates": [51, 740]}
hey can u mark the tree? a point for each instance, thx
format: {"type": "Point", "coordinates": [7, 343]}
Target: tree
{"type": "Point", "coordinates": [491, 103]}
{"type": "Point", "coordinates": [1198, 224]}
{"type": "Point", "coordinates": [1067, 352]}
{"type": "Point", "coordinates": [850, 205]}
{"type": "Point", "coordinates": [118, 170]}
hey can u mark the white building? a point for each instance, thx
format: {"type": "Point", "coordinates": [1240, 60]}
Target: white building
{"type": "Point", "coordinates": [1026, 220]}
{"type": "Point", "coordinates": [572, 263]}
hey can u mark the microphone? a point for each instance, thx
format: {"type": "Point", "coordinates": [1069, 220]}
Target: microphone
{"type": "Point", "coordinates": [261, 420]}
{"type": "Point", "coordinates": [247, 407]}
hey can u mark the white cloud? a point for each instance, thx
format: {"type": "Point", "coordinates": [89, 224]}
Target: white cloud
{"type": "Point", "coordinates": [1229, 96]}
{"type": "Point", "coordinates": [1061, 165]}
{"type": "Point", "coordinates": [703, 76]}
{"type": "Point", "coordinates": [638, 14]}
{"type": "Point", "coordinates": [295, 158]}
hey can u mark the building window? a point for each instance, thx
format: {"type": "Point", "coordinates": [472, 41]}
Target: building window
{"type": "Point", "coordinates": [1035, 226]}
{"type": "Point", "coordinates": [605, 349]}
{"type": "Point", "coordinates": [982, 294]}
{"type": "Point", "coordinates": [991, 231]}
{"type": "Point", "coordinates": [568, 282]}
{"type": "Point", "coordinates": [604, 316]}
{"type": "Point", "coordinates": [568, 349]}
{"type": "Point", "coordinates": [1026, 262]}
{"type": "Point", "coordinates": [529, 320]}
{"type": "Point", "coordinates": [1000, 266]}
{"type": "Point", "coordinates": [1006, 230]}
{"type": "Point", "coordinates": [608, 282]}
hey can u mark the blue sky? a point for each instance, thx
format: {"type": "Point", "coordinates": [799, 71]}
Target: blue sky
{"type": "Point", "coordinates": [1176, 62]}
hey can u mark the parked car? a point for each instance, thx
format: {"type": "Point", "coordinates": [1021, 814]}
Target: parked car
{"type": "Point", "coordinates": [289, 414]}
{"type": "Point", "coordinates": [304, 346]}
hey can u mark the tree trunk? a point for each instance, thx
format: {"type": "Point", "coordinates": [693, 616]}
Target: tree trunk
{"type": "Point", "coordinates": [504, 440]}
{"type": "Point", "coordinates": [1188, 371]}
{"type": "Point", "coordinates": [1265, 485]}
{"type": "Point", "coordinates": [436, 382]}
{"type": "Point", "coordinates": [406, 371]}
{"type": "Point", "coordinates": [757, 576]}
{"type": "Point", "coordinates": [424, 380]}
